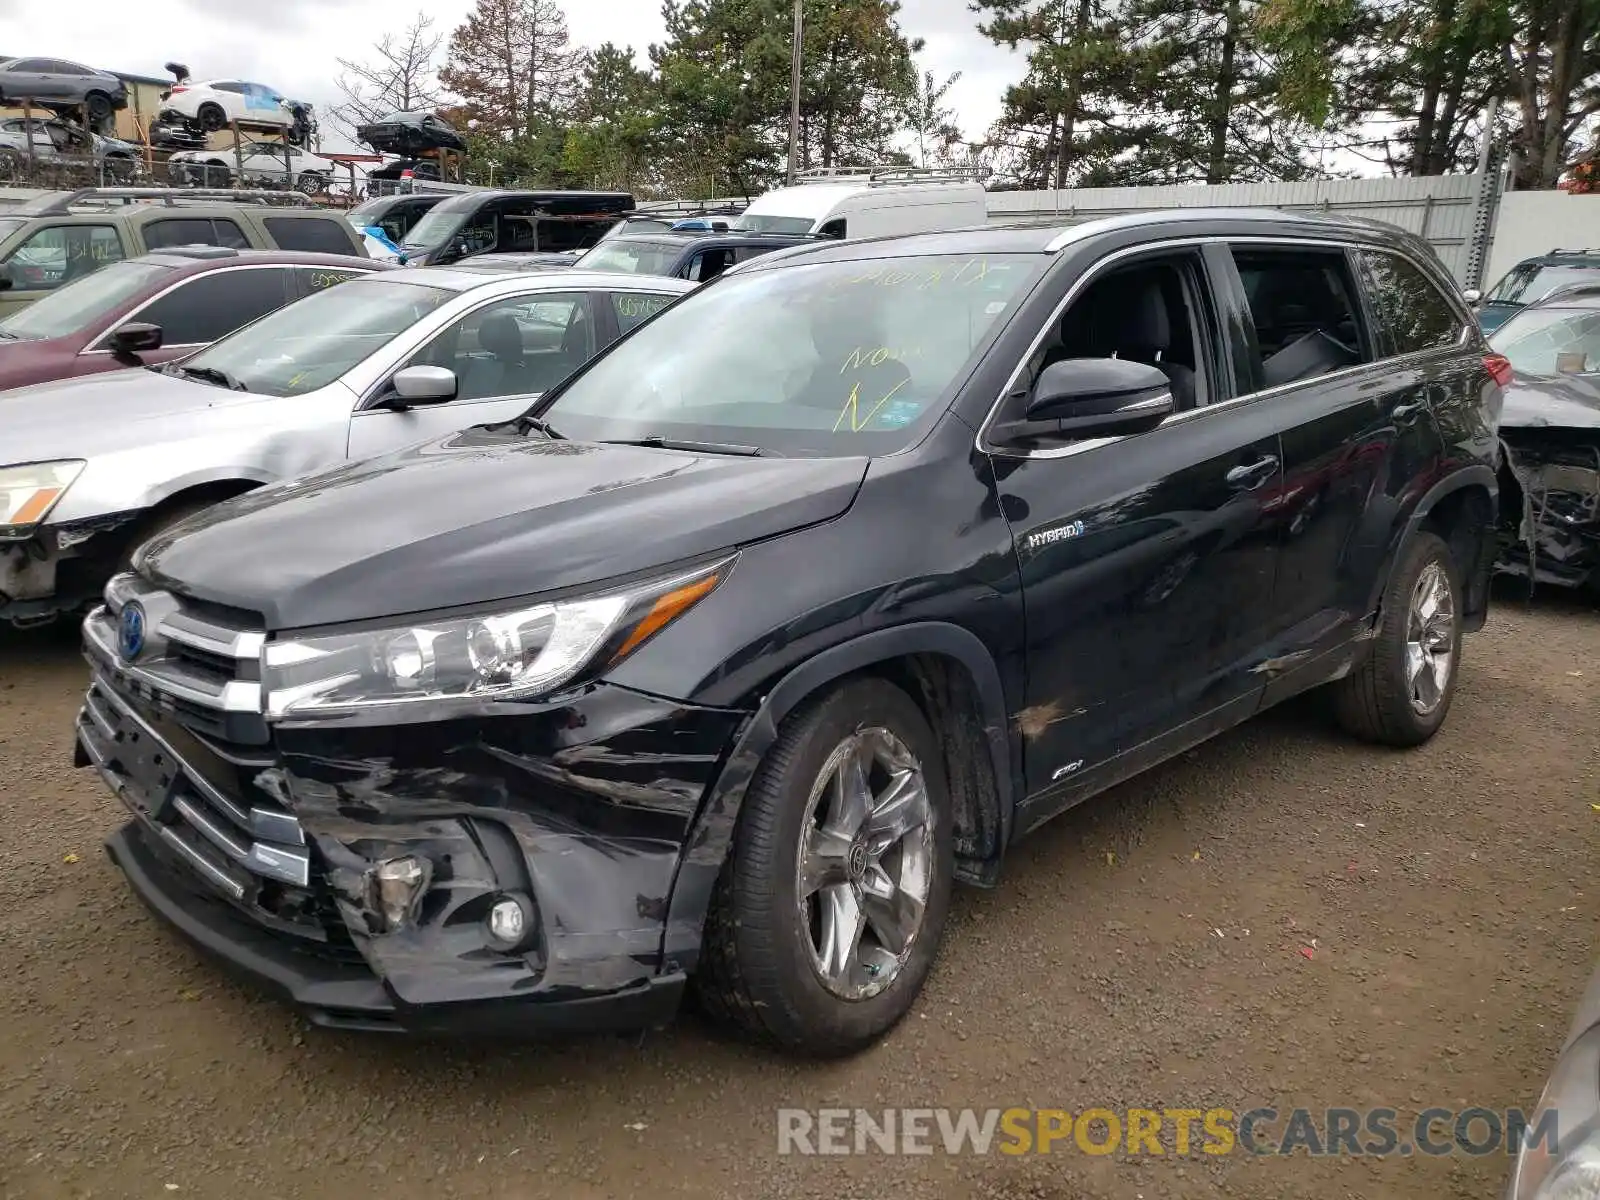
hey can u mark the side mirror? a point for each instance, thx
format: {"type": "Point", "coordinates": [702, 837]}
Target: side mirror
{"type": "Point", "coordinates": [1472, 295]}
{"type": "Point", "coordinates": [135, 337]}
{"type": "Point", "coordinates": [7, 281]}
{"type": "Point", "coordinates": [1094, 397]}
{"type": "Point", "coordinates": [423, 385]}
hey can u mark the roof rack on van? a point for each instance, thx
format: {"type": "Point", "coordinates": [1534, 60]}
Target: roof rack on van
{"type": "Point", "coordinates": [890, 175]}
{"type": "Point", "coordinates": [55, 204]}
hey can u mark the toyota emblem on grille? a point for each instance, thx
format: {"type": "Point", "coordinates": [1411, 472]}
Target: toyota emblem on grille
{"type": "Point", "coordinates": [130, 633]}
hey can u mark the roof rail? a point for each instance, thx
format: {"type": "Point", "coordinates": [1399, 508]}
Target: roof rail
{"type": "Point", "coordinates": [55, 204]}
{"type": "Point", "coordinates": [890, 174]}
{"type": "Point", "coordinates": [1570, 292]}
{"type": "Point", "coordinates": [1574, 250]}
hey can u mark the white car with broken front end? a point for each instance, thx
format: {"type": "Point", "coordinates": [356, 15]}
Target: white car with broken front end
{"type": "Point", "coordinates": [91, 468]}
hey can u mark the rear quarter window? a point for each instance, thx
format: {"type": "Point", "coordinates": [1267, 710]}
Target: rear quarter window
{"type": "Point", "coordinates": [1415, 313]}
{"type": "Point", "coordinates": [323, 235]}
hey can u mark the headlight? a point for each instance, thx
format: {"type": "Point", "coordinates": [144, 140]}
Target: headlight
{"type": "Point", "coordinates": [1564, 1164]}
{"type": "Point", "coordinates": [516, 654]}
{"type": "Point", "coordinates": [28, 493]}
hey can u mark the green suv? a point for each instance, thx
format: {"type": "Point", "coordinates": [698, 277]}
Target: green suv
{"type": "Point", "coordinates": [62, 236]}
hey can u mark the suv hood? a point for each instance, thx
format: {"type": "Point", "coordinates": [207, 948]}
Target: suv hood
{"type": "Point", "coordinates": [482, 516]}
{"type": "Point", "coordinates": [98, 414]}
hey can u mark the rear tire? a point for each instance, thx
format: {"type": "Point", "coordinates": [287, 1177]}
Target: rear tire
{"type": "Point", "coordinates": [211, 117]}
{"type": "Point", "coordinates": [310, 183]}
{"type": "Point", "coordinates": [1401, 694]}
{"type": "Point", "coordinates": [828, 914]}
{"type": "Point", "coordinates": [99, 106]}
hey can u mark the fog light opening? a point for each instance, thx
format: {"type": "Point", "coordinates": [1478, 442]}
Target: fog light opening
{"type": "Point", "coordinates": [400, 883]}
{"type": "Point", "coordinates": [509, 924]}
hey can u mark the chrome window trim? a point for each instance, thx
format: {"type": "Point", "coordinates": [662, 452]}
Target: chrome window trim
{"type": "Point", "coordinates": [133, 315]}
{"type": "Point", "coordinates": [981, 442]}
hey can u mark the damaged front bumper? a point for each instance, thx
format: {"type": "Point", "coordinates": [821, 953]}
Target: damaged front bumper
{"type": "Point", "coordinates": [60, 568]}
{"type": "Point", "coordinates": [353, 871]}
{"type": "Point", "coordinates": [1550, 522]}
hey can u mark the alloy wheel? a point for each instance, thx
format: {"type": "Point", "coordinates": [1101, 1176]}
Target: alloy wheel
{"type": "Point", "coordinates": [865, 863]}
{"type": "Point", "coordinates": [1430, 639]}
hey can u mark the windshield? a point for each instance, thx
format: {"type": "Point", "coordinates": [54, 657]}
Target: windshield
{"type": "Point", "coordinates": [435, 228]}
{"type": "Point", "coordinates": [760, 223]}
{"type": "Point", "coordinates": [310, 343]}
{"type": "Point", "coordinates": [81, 302]}
{"type": "Point", "coordinates": [1530, 282]}
{"type": "Point", "coordinates": [830, 359]}
{"type": "Point", "coordinates": [1551, 341]}
{"type": "Point", "coordinates": [632, 256]}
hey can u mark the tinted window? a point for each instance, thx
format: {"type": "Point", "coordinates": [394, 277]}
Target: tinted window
{"type": "Point", "coordinates": [1306, 318]}
{"type": "Point", "coordinates": [513, 347]}
{"type": "Point", "coordinates": [208, 306]}
{"type": "Point", "coordinates": [633, 307]}
{"type": "Point", "coordinates": [63, 67]}
{"type": "Point", "coordinates": [30, 64]}
{"type": "Point", "coordinates": [193, 231]}
{"type": "Point", "coordinates": [838, 358]}
{"type": "Point", "coordinates": [58, 254]}
{"type": "Point", "coordinates": [708, 264]}
{"type": "Point", "coordinates": [1412, 308]}
{"type": "Point", "coordinates": [324, 235]}
{"type": "Point", "coordinates": [834, 228]}
{"type": "Point", "coordinates": [227, 85]}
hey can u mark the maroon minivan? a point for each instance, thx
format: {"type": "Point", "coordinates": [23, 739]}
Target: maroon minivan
{"type": "Point", "coordinates": [158, 307]}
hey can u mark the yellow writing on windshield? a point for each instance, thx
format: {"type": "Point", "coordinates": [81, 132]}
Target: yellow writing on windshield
{"type": "Point", "coordinates": [852, 408]}
{"type": "Point", "coordinates": [921, 278]}
{"type": "Point", "coordinates": [876, 356]}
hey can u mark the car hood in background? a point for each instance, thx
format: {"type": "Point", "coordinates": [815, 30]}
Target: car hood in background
{"type": "Point", "coordinates": [1550, 401]}
{"type": "Point", "coordinates": [482, 516]}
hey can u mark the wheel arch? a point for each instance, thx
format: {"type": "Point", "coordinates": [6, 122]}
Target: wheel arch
{"type": "Point", "coordinates": [222, 485]}
{"type": "Point", "coordinates": [949, 673]}
{"type": "Point", "coordinates": [1461, 509]}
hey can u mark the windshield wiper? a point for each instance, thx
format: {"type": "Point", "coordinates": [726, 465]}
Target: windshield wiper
{"type": "Point", "coordinates": [525, 425]}
{"type": "Point", "coordinates": [214, 375]}
{"type": "Point", "coordinates": [10, 337]}
{"type": "Point", "coordinates": [657, 441]}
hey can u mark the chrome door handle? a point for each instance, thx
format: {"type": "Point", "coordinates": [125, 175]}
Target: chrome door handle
{"type": "Point", "coordinates": [1253, 475]}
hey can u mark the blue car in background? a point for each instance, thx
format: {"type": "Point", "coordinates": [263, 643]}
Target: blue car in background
{"type": "Point", "coordinates": [1532, 279]}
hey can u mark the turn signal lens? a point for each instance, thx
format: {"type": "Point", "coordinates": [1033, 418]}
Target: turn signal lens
{"type": "Point", "coordinates": [1499, 368]}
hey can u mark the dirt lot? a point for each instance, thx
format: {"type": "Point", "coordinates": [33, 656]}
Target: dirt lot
{"type": "Point", "coordinates": [1143, 950]}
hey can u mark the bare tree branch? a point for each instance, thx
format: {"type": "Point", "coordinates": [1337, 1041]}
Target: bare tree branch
{"type": "Point", "coordinates": [400, 76]}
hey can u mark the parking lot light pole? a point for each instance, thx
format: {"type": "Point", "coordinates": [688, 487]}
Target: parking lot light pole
{"type": "Point", "coordinates": [794, 99]}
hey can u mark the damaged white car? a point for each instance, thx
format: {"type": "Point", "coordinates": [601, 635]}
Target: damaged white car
{"type": "Point", "coordinates": [1550, 503]}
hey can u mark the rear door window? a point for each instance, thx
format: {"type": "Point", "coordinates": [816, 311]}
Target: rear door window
{"type": "Point", "coordinates": [194, 231]}
{"type": "Point", "coordinates": [1304, 306]}
{"type": "Point", "coordinates": [1414, 312]}
{"type": "Point", "coordinates": [323, 235]}
{"type": "Point", "coordinates": [206, 307]}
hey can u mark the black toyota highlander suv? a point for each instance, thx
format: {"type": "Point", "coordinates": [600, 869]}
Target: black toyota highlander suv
{"type": "Point", "coordinates": [807, 599]}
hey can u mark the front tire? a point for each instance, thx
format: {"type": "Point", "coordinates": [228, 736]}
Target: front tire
{"type": "Point", "coordinates": [99, 107]}
{"type": "Point", "coordinates": [1401, 694]}
{"type": "Point", "coordinates": [828, 914]}
{"type": "Point", "coordinates": [310, 183]}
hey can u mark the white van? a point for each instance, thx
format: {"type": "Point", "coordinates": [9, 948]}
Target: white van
{"type": "Point", "coordinates": [878, 203]}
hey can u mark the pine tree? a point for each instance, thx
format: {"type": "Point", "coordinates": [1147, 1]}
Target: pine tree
{"type": "Point", "coordinates": [615, 128]}
{"type": "Point", "coordinates": [513, 66]}
{"type": "Point", "coordinates": [1206, 93]}
{"type": "Point", "coordinates": [1061, 125]}
{"type": "Point", "coordinates": [932, 121]}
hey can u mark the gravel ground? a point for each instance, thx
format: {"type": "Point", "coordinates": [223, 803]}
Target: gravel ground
{"type": "Point", "coordinates": [1145, 949]}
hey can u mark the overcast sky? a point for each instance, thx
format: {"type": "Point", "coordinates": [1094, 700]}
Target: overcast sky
{"type": "Point", "coordinates": [293, 44]}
